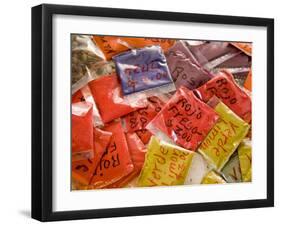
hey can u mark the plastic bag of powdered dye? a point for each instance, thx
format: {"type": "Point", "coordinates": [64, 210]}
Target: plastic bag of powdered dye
{"type": "Point", "coordinates": [84, 95]}
{"type": "Point", "coordinates": [224, 137]}
{"type": "Point", "coordinates": [143, 73]}
{"type": "Point", "coordinates": [137, 120]}
{"type": "Point", "coordinates": [115, 162]}
{"type": "Point", "coordinates": [82, 131]}
{"type": "Point", "coordinates": [137, 152]}
{"type": "Point", "coordinates": [185, 120]}
{"type": "Point", "coordinates": [109, 45]}
{"type": "Point", "coordinates": [165, 164]}
{"type": "Point", "coordinates": [186, 73]}
{"type": "Point", "coordinates": [82, 170]}
{"type": "Point", "coordinates": [224, 87]}
{"type": "Point", "coordinates": [84, 54]}
{"type": "Point", "coordinates": [108, 97]}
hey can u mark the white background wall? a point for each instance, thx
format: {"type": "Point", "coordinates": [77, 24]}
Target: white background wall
{"type": "Point", "coordinates": [15, 110]}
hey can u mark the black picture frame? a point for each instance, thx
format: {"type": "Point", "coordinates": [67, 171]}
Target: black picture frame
{"type": "Point", "coordinates": [42, 111]}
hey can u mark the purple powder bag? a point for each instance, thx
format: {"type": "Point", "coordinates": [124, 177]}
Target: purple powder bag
{"type": "Point", "coordinates": [143, 69]}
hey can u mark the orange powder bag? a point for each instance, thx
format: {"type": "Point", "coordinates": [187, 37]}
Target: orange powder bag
{"type": "Point", "coordinates": [225, 88]}
{"type": "Point", "coordinates": [109, 45]}
{"type": "Point", "coordinates": [107, 94]}
{"type": "Point", "coordinates": [248, 82]}
{"type": "Point", "coordinates": [82, 170]}
{"type": "Point", "coordinates": [142, 42]}
{"type": "Point", "coordinates": [137, 151]}
{"type": "Point", "coordinates": [115, 162]}
{"type": "Point", "coordinates": [82, 131]}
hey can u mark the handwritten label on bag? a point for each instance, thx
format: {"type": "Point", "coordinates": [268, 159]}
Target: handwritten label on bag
{"type": "Point", "coordinates": [165, 164]}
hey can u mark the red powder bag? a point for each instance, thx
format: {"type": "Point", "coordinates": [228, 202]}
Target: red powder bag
{"type": "Point", "coordinates": [225, 88]}
{"type": "Point", "coordinates": [185, 120]}
{"type": "Point", "coordinates": [137, 151]}
{"type": "Point", "coordinates": [144, 135]}
{"type": "Point", "coordinates": [88, 97]}
{"type": "Point", "coordinates": [82, 131]}
{"type": "Point", "coordinates": [109, 45]}
{"type": "Point", "coordinates": [137, 120]}
{"type": "Point", "coordinates": [134, 43]}
{"type": "Point", "coordinates": [106, 91]}
{"type": "Point", "coordinates": [115, 162]}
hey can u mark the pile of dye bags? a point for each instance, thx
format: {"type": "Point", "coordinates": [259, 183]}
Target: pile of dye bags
{"type": "Point", "coordinates": [159, 112]}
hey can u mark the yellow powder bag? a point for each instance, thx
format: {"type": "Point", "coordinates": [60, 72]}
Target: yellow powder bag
{"type": "Point", "coordinates": [245, 159]}
{"type": "Point", "coordinates": [165, 164]}
{"type": "Point", "coordinates": [224, 137]}
{"type": "Point", "coordinates": [213, 178]}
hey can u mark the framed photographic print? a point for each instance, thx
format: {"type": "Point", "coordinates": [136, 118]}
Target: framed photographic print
{"type": "Point", "coordinates": [146, 112]}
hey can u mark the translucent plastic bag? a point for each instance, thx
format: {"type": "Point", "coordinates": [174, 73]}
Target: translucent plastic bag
{"type": "Point", "coordinates": [137, 120]}
{"type": "Point", "coordinates": [84, 54]}
{"type": "Point", "coordinates": [185, 73]}
{"type": "Point", "coordinates": [82, 170]}
{"type": "Point", "coordinates": [143, 73]}
{"type": "Point", "coordinates": [224, 137]}
{"type": "Point", "coordinates": [108, 97]}
{"type": "Point", "coordinates": [198, 169]}
{"type": "Point", "coordinates": [137, 152]}
{"type": "Point", "coordinates": [224, 87]}
{"type": "Point", "coordinates": [109, 45]}
{"type": "Point", "coordinates": [115, 162]}
{"type": "Point", "coordinates": [82, 131]}
{"type": "Point", "coordinates": [184, 120]}
{"type": "Point", "coordinates": [165, 164]}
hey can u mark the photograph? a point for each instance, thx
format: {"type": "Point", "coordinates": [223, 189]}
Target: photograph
{"type": "Point", "coordinates": [156, 111]}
